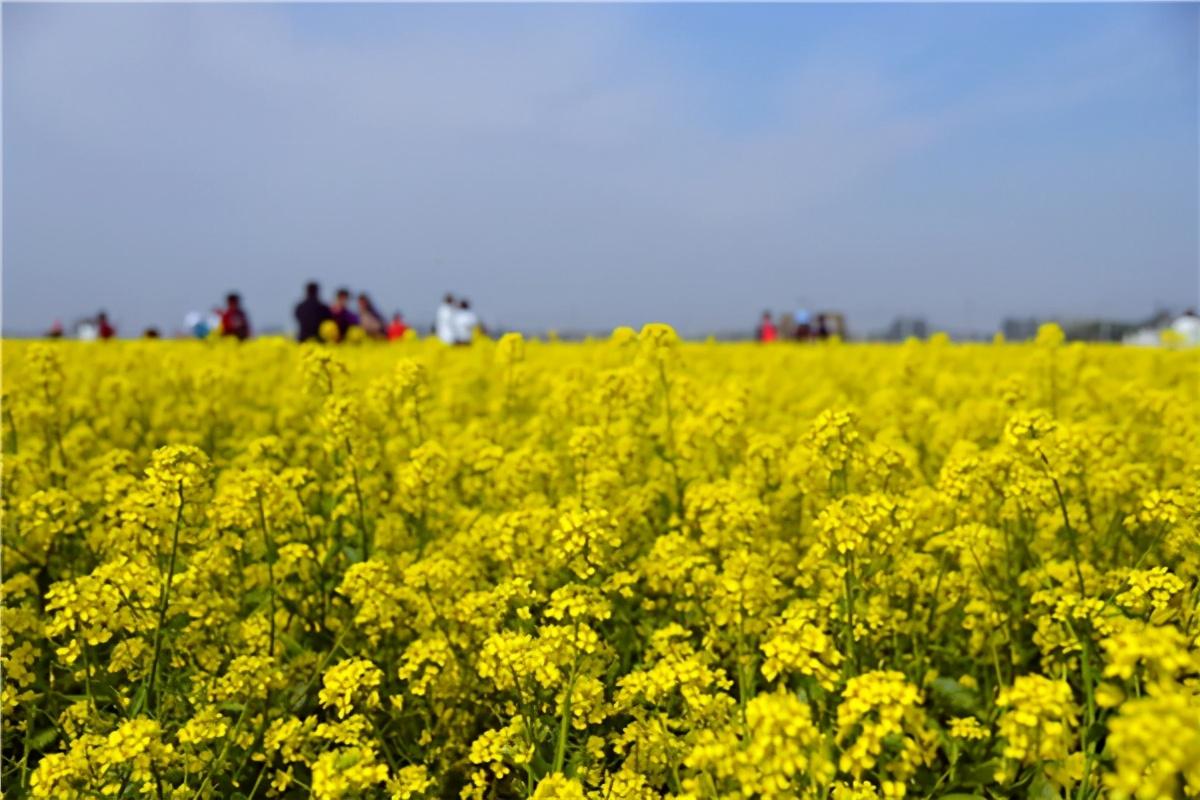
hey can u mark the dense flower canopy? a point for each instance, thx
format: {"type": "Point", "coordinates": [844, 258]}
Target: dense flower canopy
{"type": "Point", "coordinates": [628, 568]}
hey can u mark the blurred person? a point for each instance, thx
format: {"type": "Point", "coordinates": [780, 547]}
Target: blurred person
{"type": "Point", "coordinates": [341, 314]}
{"type": "Point", "coordinates": [234, 321]}
{"type": "Point", "coordinates": [104, 328]}
{"type": "Point", "coordinates": [370, 319]}
{"type": "Point", "coordinates": [822, 330]}
{"type": "Point", "coordinates": [443, 320]}
{"type": "Point", "coordinates": [310, 313]}
{"type": "Point", "coordinates": [1187, 325]}
{"type": "Point", "coordinates": [803, 324]}
{"type": "Point", "coordinates": [464, 322]}
{"type": "Point", "coordinates": [202, 325]}
{"type": "Point", "coordinates": [397, 327]}
{"type": "Point", "coordinates": [766, 332]}
{"type": "Point", "coordinates": [195, 324]}
{"type": "Point", "coordinates": [56, 330]}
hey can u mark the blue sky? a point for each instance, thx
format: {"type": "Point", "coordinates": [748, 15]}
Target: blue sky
{"type": "Point", "coordinates": [588, 166]}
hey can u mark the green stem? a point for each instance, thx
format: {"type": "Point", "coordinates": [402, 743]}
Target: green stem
{"type": "Point", "coordinates": [262, 772]}
{"type": "Point", "coordinates": [1072, 537]}
{"type": "Point", "coordinates": [299, 697]}
{"type": "Point", "coordinates": [12, 426]}
{"type": "Point", "coordinates": [564, 725]}
{"type": "Point", "coordinates": [164, 601]}
{"type": "Point", "coordinates": [852, 658]}
{"type": "Point", "coordinates": [26, 745]}
{"type": "Point", "coordinates": [1085, 666]}
{"type": "Point", "coordinates": [87, 676]}
{"type": "Point", "coordinates": [267, 543]}
{"type": "Point", "coordinates": [362, 520]}
{"type": "Point", "coordinates": [224, 751]}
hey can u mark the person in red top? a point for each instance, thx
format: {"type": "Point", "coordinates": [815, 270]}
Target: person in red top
{"type": "Point", "coordinates": [767, 332]}
{"type": "Point", "coordinates": [396, 329]}
{"type": "Point", "coordinates": [234, 321]}
{"type": "Point", "coordinates": [104, 328]}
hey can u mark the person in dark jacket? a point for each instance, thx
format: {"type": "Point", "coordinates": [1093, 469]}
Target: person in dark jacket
{"type": "Point", "coordinates": [311, 312]}
{"type": "Point", "coordinates": [341, 314]}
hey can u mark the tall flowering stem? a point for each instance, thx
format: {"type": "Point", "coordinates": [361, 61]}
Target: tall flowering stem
{"type": "Point", "coordinates": [163, 602]}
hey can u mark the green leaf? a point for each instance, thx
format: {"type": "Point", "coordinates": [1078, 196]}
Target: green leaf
{"type": "Point", "coordinates": [953, 694]}
{"type": "Point", "coordinates": [43, 739]}
{"type": "Point", "coordinates": [1042, 789]}
{"type": "Point", "coordinates": [980, 774]}
{"type": "Point", "coordinates": [139, 701]}
{"type": "Point", "coordinates": [291, 645]}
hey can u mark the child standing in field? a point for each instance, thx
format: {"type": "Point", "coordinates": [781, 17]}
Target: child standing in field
{"type": "Point", "coordinates": [767, 332]}
{"type": "Point", "coordinates": [397, 328]}
{"type": "Point", "coordinates": [234, 321]}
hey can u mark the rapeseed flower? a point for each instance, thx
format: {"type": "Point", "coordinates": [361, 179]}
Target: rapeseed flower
{"type": "Point", "coordinates": [631, 568]}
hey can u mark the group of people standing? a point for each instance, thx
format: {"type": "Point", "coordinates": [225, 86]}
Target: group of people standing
{"type": "Point", "coordinates": [232, 321]}
{"type": "Point", "coordinates": [455, 321]}
{"type": "Point", "coordinates": [312, 312]}
{"type": "Point", "coordinates": [800, 326]}
{"type": "Point", "coordinates": [228, 321]}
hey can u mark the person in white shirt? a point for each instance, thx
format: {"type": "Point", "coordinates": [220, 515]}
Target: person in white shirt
{"type": "Point", "coordinates": [443, 323]}
{"type": "Point", "coordinates": [465, 323]}
{"type": "Point", "coordinates": [1187, 325]}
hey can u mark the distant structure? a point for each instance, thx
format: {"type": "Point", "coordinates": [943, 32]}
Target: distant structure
{"type": "Point", "coordinates": [1097, 330]}
{"type": "Point", "coordinates": [1019, 329]}
{"type": "Point", "coordinates": [905, 327]}
{"type": "Point", "coordinates": [1092, 329]}
{"type": "Point", "coordinates": [1185, 328]}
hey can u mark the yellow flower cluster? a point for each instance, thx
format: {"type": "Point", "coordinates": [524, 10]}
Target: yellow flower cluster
{"type": "Point", "coordinates": [615, 570]}
{"type": "Point", "coordinates": [1156, 746]}
{"type": "Point", "coordinates": [1038, 719]}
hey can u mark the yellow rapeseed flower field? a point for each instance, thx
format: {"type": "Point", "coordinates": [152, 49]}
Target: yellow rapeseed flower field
{"type": "Point", "coordinates": [631, 568]}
